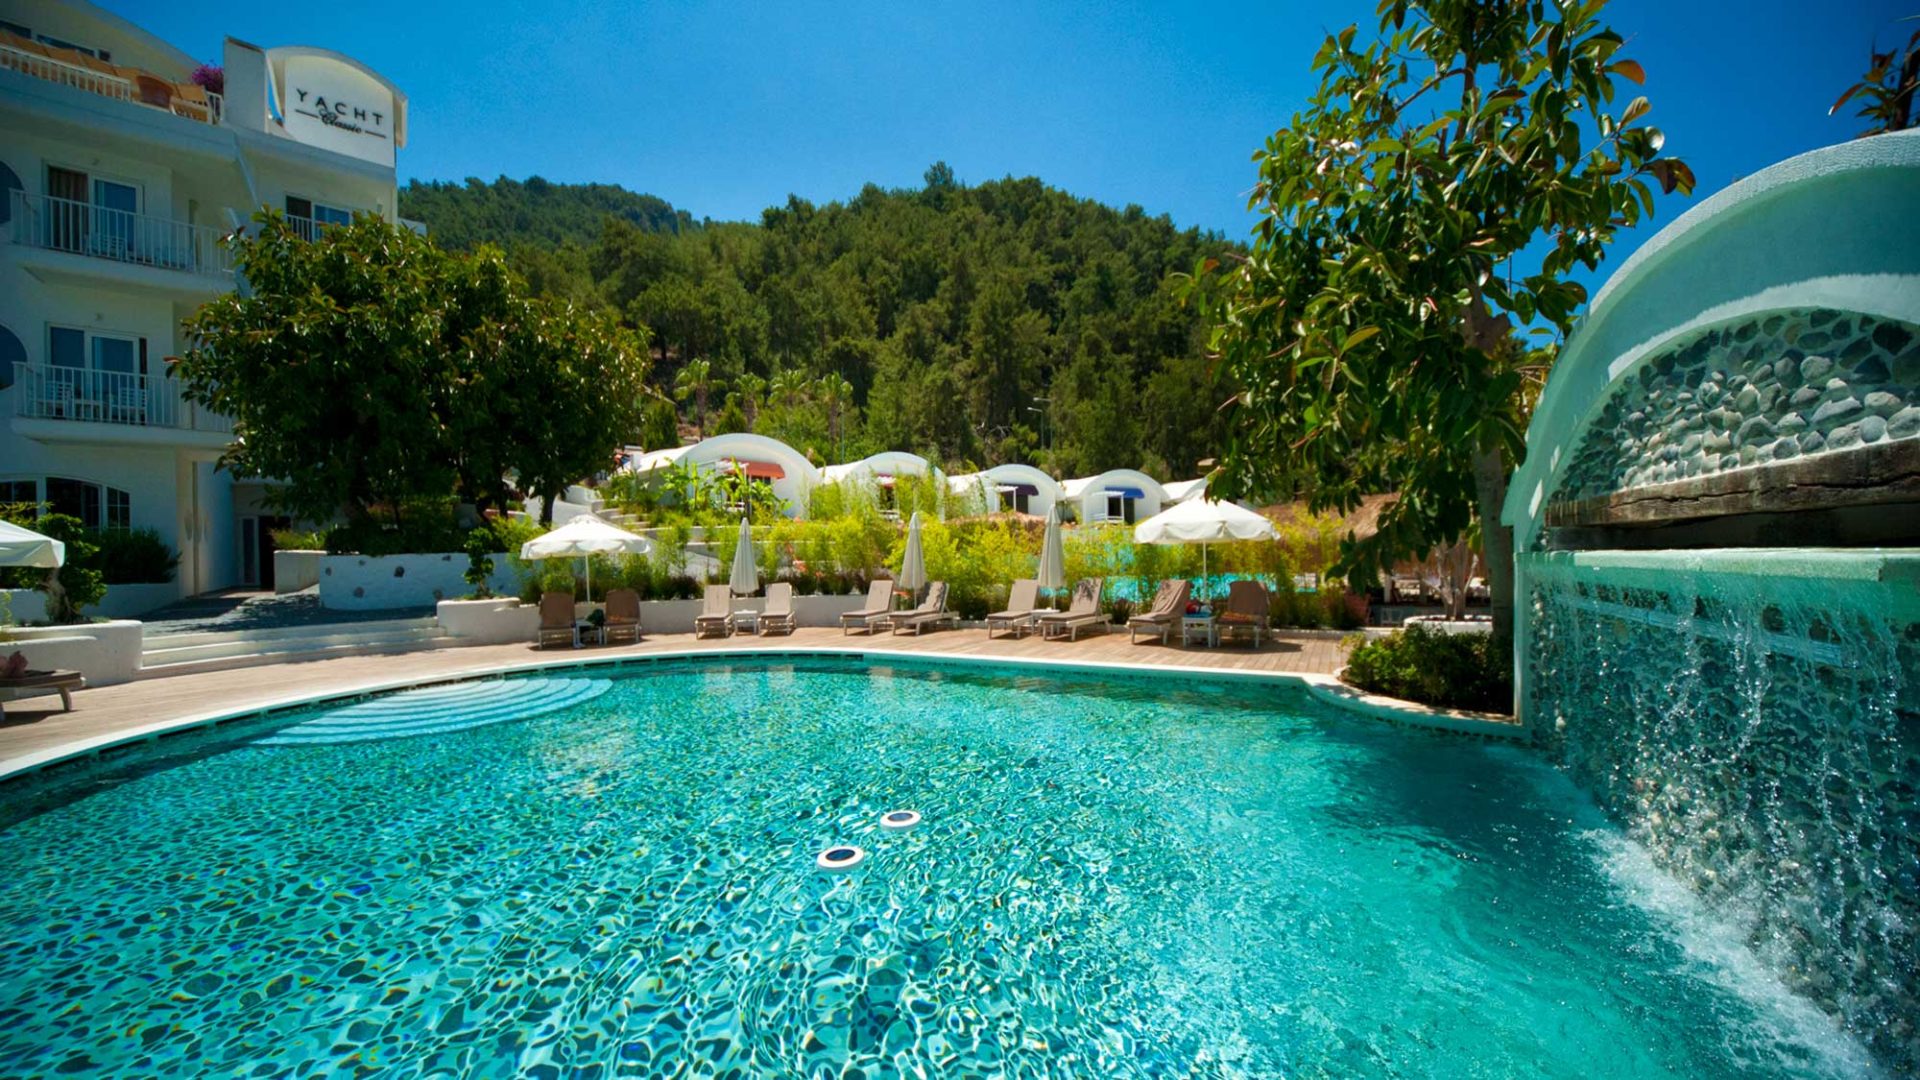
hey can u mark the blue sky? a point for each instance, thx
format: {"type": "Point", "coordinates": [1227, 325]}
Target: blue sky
{"type": "Point", "coordinates": [725, 109]}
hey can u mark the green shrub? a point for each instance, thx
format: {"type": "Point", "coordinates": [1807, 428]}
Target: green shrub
{"type": "Point", "coordinates": [425, 526]}
{"type": "Point", "coordinates": [81, 582]}
{"type": "Point", "coordinates": [1451, 671]}
{"type": "Point", "coordinates": [299, 539]}
{"type": "Point", "coordinates": [134, 557]}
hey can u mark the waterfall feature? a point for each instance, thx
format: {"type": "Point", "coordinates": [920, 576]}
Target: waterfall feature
{"type": "Point", "coordinates": [1718, 580]}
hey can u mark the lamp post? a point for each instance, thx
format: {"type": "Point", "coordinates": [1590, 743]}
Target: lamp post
{"type": "Point", "coordinates": [1046, 441]}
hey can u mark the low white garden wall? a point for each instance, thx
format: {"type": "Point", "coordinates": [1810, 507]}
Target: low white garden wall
{"type": "Point", "coordinates": [133, 601]}
{"type": "Point", "coordinates": [105, 652]}
{"type": "Point", "coordinates": [295, 570]}
{"type": "Point", "coordinates": [379, 582]}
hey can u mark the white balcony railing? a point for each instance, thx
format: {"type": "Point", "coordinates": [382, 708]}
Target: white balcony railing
{"type": "Point", "coordinates": [42, 221]}
{"type": "Point", "coordinates": [44, 392]}
{"type": "Point", "coordinates": [98, 77]}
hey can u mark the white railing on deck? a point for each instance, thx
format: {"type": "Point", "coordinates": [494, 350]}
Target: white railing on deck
{"type": "Point", "coordinates": [47, 392]}
{"type": "Point", "coordinates": [74, 75]}
{"type": "Point", "coordinates": [42, 221]}
{"type": "Point", "coordinates": [170, 97]}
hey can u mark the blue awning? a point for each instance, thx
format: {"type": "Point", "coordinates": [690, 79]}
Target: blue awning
{"type": "Point", "coordinates": [1131, 493]}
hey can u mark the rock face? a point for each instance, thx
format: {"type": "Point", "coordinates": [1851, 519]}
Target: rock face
{"type": "Point", "coordinates": [1762, 740]}
{"type": "Point", "coordinates": [1775, 386]}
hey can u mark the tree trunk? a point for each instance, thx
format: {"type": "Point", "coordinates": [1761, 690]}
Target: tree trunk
{"type": "Point", "coordinates": [546, 510]}
{"type": "Point", "coordinates": [1496, 539]}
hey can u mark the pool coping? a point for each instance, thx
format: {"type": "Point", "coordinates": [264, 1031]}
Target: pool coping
{"type": "Point", "coordinates": [1326, 689]}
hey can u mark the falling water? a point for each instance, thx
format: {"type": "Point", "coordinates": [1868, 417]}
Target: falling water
{"type": "Point", "coordinates": [1752, 719]}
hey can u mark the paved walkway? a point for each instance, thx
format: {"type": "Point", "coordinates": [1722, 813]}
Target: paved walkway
{"type": "Point", "coordinates": [36, 726]}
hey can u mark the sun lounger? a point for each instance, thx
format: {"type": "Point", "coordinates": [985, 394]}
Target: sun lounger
{"type": "Point", "coordinates": [932, 612]}
{"type": "Point", "coordinates": [778, 618]}
{"type": "Point", "coordinates": [716, 612]}
{"type": "Point", "coordinates": [1169, 605]}
{"type": "Point", "coordinates": [879, 606]}
{"type": "Point", "coordinates": [1023, 603]}
{"type": "Point", "coordinates": [623, 616]}
{"type": "Point", "coordinates": [1084, 613]}
{"type": "Point", "coordinates": [32, 683]}
{"type": "Point", "coordinates": [1247, 611]}
{"type": "Point", "coordinates": [556, 620]}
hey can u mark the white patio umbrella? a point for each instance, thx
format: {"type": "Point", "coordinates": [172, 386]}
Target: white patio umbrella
{"type": "Point", "coordinates": [1053, 554]}
{"type": "Point", "coordinates": [745, 579]}
{"type": "Point", "coordinates": [1203, 521]}
{"type": "Point", "coordinates": [581, 538]}
{"type": "Point", "coordinates": [24, 547]}
{"type": "Point", "coordinates": [913, 562]}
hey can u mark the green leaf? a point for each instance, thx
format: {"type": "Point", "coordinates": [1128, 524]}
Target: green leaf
{"type": "Point", "coordinates": [1636, 108]}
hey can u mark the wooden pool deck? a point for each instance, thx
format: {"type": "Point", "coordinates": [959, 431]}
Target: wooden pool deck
{"type": "Point", "coordinates": [35, 730]}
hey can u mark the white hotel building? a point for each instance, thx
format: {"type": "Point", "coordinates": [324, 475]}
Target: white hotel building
{"type": "Point", "coordinates": [119, 175]}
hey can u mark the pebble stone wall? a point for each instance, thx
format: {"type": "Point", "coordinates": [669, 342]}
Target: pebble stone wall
{"type": "Point", "coordinates": [1772, 388]}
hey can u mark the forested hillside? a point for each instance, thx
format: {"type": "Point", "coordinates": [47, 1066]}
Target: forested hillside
{"type": "Point", "coordinates": [508, 212]}
{"type": "Point", "coordinates": [974, 324]}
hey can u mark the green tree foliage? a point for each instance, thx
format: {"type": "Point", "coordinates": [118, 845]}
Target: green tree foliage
{"type": "Point", "coordinates": [1888, 90]}
{"type": "Point", "coordinates": [79, 582]}
{"type": "Point", "coordinates": [369, 368]}
{"type": "Point", "coordinates": [534, 212]}
{"type": "Point", "coordinates": [960, 320]}
{"type": "Point", "coordinates": [1437, 188]}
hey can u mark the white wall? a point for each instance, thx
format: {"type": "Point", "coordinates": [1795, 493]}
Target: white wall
{"type": "Point", "coordinates": [381, 582]}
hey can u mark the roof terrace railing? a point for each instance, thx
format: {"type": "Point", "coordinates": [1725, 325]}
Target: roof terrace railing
{"type": "Point", "coordinates": [68, 67]}
{"type": "Point", "coordinates": [42, 221]}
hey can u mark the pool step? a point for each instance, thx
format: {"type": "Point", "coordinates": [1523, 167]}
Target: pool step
{"type": "Point", "coordinates": [435, 710]}
{"type": "Point", "coordinates": [219, 650]}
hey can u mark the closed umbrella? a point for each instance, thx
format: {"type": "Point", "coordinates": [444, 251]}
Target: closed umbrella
{"type": "Point", "coordinates": [583, 537]}
{"type": "Point", "coordinates": [913, 563]}
{"type": "Point", "coordinates": [1053, 554]}
{"type": "Point", "coordinates": [1203, 521]}
{"type": "Point", "coordinates": [24, 547]}
{"type": "Point", "coordinates": [745, 579]}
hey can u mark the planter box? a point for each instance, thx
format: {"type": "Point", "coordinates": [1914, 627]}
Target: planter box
{"type": "Point", "coordinates": [105, 652]}
{"type": "Point", "coordinates": [381, 582]}
{"type": "Point", "coordinates": [499, 621]}
{"type": "Point", "coordinates": [296, 570]}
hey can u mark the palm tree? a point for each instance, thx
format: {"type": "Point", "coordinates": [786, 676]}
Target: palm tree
{"type": "Point", "coordinates": [753, 390]}
{"type": "Point", "coordinates": [696, 380]}
{"type": "Point", "coordinates": [786, 386]}
{"type": "Point", "coordinates": [833, 393]}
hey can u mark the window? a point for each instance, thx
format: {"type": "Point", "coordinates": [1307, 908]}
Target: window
{"type": "Point", "coordinates": [310, 217]}
{"type": "Point", "coordinates": [19, 491]}
{"type": "Point", "coordinates": [67, 347]}
{"type": "Point", "coordinates": [96, 505]}
{"type": "Point", "coordinates": [1119, 508]}
{"type": "Point", "coordinates": [59, 44]}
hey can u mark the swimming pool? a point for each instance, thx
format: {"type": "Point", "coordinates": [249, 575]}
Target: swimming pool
{"type": "Point", "coordinates": [1112, 877]}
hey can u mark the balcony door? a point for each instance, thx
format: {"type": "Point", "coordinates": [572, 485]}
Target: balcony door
{"type": "Point", "coordinates": [90, 214]}
{"type": "Point", "coordinates": [95, 377]}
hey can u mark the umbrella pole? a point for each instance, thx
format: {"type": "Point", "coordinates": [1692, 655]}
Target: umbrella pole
{"type": "Point", "coordinates": [589, 561]}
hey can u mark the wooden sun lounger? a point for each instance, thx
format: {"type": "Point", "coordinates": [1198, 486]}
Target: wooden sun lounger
{"type": "Point", "coordinates": [623, 616]}
{"type": "Point", "coordinates": [1082, 614]}
{"type": "Point", "coordinates": [1023, 604]}
{"type": "Point", "coordinates": [778, 618]}
{"type": "Point", "coordinates": [37, 683]}
{"type": "Point", "coordinates": [932, 612]}
{"type": "Point", "coordinates": [556, 620]}
{"type": "Point", "coordinates": [716, 612]}
{"type": "Point", "coordinates": [1247, 611]}
{"type": "Point", "coordinates": [879, 606]}
{"type": "Point", "coordinates": [1169, 604]}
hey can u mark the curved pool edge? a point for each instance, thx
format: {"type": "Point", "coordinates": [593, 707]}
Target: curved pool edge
{"type": "Point", "coordinates": [1323, 688]}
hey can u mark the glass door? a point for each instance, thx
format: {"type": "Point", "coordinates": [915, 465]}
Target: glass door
{"type": "Point", "coordinates": [65, 226]}
{"type": "Point", "coordinates": [114, 207]}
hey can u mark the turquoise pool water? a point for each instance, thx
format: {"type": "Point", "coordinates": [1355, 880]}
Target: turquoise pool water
{"type": "Point", "coordinates": [1112, 878]}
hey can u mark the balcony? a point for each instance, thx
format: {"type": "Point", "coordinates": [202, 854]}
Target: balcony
{"type": "Point", "coordinates": [69, 67]}
{"type": "Point", "coordinates": [104, 401]}
{"type": "Point", "coordinates": [50, 224]}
